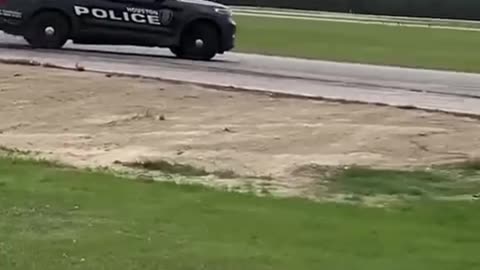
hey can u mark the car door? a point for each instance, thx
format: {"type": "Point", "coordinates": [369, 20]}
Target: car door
{"type": "Point", "coordinates": [142, 22]}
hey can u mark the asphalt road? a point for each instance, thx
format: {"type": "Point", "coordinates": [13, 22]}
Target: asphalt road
{"type": "Point", "coordinates": [438, 90]}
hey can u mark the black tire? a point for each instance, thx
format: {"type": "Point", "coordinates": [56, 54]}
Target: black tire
{"type": "Point", "coordinates": [38, 35]}
{"type": "Point", "coordinates": [190, 48]}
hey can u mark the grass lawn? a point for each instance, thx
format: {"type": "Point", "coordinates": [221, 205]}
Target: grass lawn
{"type": "Point", "coordinates": [373, 44]}
{"type": "Point", "coordinates": [53, 218]}
{"type": "Point", "coordinates": [436, 183]}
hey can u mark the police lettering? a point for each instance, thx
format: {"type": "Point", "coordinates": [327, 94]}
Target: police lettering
{"type": "Point", "coordinates": [137, 16]}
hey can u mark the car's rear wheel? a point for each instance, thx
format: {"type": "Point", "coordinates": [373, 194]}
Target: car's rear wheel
{"type": "Point", "coordinates": [49, 30]}
{"type": "Point", "coordinates": [198, 42]}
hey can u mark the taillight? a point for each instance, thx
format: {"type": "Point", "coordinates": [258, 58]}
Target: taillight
{"type": "Point", "coordinates": [3, 2]}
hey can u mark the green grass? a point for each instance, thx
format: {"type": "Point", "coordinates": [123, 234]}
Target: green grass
{"type": "Point", "coordinates": [53, 218]}
{"type": "Point", "coordinates": [460, 179]}
{"type": "Point", "coordinates": [366, 181]}
{"type": "Point", "coordinates": [372, 44]}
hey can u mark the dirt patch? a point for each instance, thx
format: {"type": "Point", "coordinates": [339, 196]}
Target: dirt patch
{"type": "Point", "coordinates": [89, 119]}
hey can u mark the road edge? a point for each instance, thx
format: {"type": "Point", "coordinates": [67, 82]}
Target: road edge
{"type": "Point", "coordinates": [230, 88]}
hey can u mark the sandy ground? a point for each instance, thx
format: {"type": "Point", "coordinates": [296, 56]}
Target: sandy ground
{"type": "Point", "coordinates": [89, 119]}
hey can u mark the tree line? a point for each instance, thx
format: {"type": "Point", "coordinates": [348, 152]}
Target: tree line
{"type": "Point", "coordinates": [447, 9]}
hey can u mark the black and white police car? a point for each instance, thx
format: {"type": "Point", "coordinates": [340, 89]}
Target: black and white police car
{"type": "Point", "coordinates": [192, 29]}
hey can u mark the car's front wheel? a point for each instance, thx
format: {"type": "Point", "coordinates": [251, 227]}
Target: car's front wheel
{"type": "Point", "coordinates": [49, 30]}
{"type": "Point", "coordinates": [198, 42]}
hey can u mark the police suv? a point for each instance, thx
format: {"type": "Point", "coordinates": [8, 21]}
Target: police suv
{"type": "Point", "coordinates": [192, 29]}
